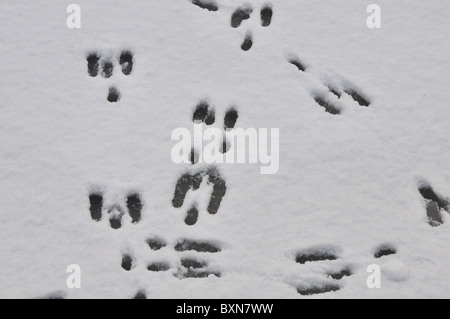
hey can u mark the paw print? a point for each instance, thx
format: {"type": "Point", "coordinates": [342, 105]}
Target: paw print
{"type": "Point", "coordinates": [192, 262]}
{"type": "Point", "coordinates": [210, 175]}
{"type": "Point", "coordinates": [105, 66]}
{"type": "Point", "coordinates": [204, 114]}
{"type": "Point", "coordinates": [239, 15]}
{"type": "Point", "coordinates": [115, 211]}
{"type": "Point", "coordinates": [332, 271]}
{"type": "Point", "coordinates": [334, 90]}
{"type": "Point", "coordinates": [434, 204]}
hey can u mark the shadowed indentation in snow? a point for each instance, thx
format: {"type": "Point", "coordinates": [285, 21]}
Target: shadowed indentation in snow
{"type": "Point", "coordinates": [127, 262]}
{"type": "Point", "coordinates": [184, 184]}
{"type": "Point", "coordinates": [96, 206]}
{"type": "Point", "coordinates": [434, 214]}
{"type": "Point", "coordinates": [248, 42]}
{"type": "Point", "coordinates": [93, 64]}
{"type": "Point", "coordinates": [193, 263]}
{"type": "Point", "coordinates": [358, 97]}
{"type": "Point", "coordinates": [134, 206]}
{"type": "Point", "coordinates": [266, 16]}
{"type": "Point", "coordinates": [113, 95]}
{"type": "Point", "coordinates": [428, 193]}
{"type": "Point", "coordinates": [140, 295]}
{"type": "Point", "coordinates": [219, 190]}
{"type": "Point", "coordinates": [317, 289]}
{"type": "Point", "coordinates": [126, 61]}
{"type": "Point", "coordinates": [337, 275]}
{"type": "Point", "coordinates": [206, 4]}
{"type": "Point", "coordinates": [54, 295]}
{"type": "Point", "coordinates": [156, 243]}
{"type": "Point", "coordinates": [107, 69]}
{"type": "Point", "coordinates": [158, 266]}
{"type": "Point", "coordinates": [188, 181]}
{"type": "Point", "coordinates": [296, 62]}
{"type": "Point", "coordinates": [115, 216]}
{"type": "Point", "coordinates": [335, 91]}
{"type": "Point", "coordinates": [196, 273]}
{"type": "Point", "coordinates": [385, 250]}
{"type": "Point", "coordinates": [434, 203]}
{"type": "Point", "coordinates": [316, 254]}
{"type": "Point", "coordinates": [330, 108]}
{"type": "Point", "coordinates": [193, 268]}
{"type": "Point", "coordinates": [210, 118]}
{"type": "Point", "coordinates": [230, 119]}
{"type": "Point", "coordinates": [202, 113]}
{"type": "Point", "coordinates": [199, 246]}
{"type": "Point", "coordinates": [239, 15]}
{"type": "Point", "coordinates": [191, 216]}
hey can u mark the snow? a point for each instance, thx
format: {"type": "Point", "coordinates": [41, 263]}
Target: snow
{"type": "Point", "coordinates": [347, 181]}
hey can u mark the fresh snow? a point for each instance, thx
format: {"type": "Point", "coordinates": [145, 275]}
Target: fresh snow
{"type": "Point", "coordinates": [347, 183]}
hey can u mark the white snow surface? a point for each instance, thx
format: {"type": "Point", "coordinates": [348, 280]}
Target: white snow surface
{"type": "Point", "coordinates": [346, 182]}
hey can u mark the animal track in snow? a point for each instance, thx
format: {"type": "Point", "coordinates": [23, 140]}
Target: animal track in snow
{"type": "Point", "coordinates": [329, 107]}
{"type": "Point", "coordinates": [209, 175]}
{"type": "Point", "coordinates": [317, 288]}
{"type": "Point", "coordinates": [328, 95]}
{"type": "Point", "coordinates": [434, 204]}
{"type": "Point", "coordinates": [357, 97]}
{"type": "Point", "coordinates": [317, 254]}
{"type": "Point", "coordinates": [332, 279]}
{"type": "Point", "coordinates": [127, 262]}
{"type": "Point", "coordinates": [194, 267]}
{"type": "Point", "coordinates": [206, 4]}
{"type": "Point", "coordinates": [297, 63]}
{"type": "Point", "coordinates": [238, 17]}
{"type": "Point", "coordinates": [115, 211]}
{"type": "Point", "coordinates": [158, 266]}
{"type": "Point", "coordinates": [198, 246]}
{"type": "Point", "coordinates": [126, 62]}
{"type": "Point", "coordinates": [113, 95]}
{"type": "Point", "coordinates": [54, 295]}
{"type": "Point", "coordinates": [93, 64]}
{"type": "Point", "coordinates": [191, 263]}
{"type": "Point", "coordinates": [240, 14]}
{"type": "Point", "coordinates": [107, 69]}
{"type": "Point", "coordinates": [322, 285]}
{"type": "Point", "coordinates": [248, 42]}
{"type": "Point", "coordinates": [156, 243]}
{"type": "Point", "coordinates": [266, 15]}
{"type": "Point", "coordinates": [192, 182]}
{"type": "Point", "coordinates": [140, 295]}
{"type": "Point", "coordinates": [385, 250]}
{"type": "Point", "coordinates": [96, 64]}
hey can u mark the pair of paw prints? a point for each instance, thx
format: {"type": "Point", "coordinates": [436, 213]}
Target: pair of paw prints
{"type": "Point", "coordinates": [210, 175]}
{"type": "Point", "coordinates": [239, 16]}
{"type": "Point", "coordinates": [434, 204]}
{"type": "Point", "coordinates": [329, 256]}
{"type": "Point", "coordinates": [193, 181]}
{"type": "Point", "coordinates": [116, 211]}
{"type": "Point", "coordinates": [328, 96]}
{"type": "Point", "coordinates": [105, 66]}
{"type": "Point", "coordinates": [191, 264]}
{"type": "Point", "coordinates": [205, 114]}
